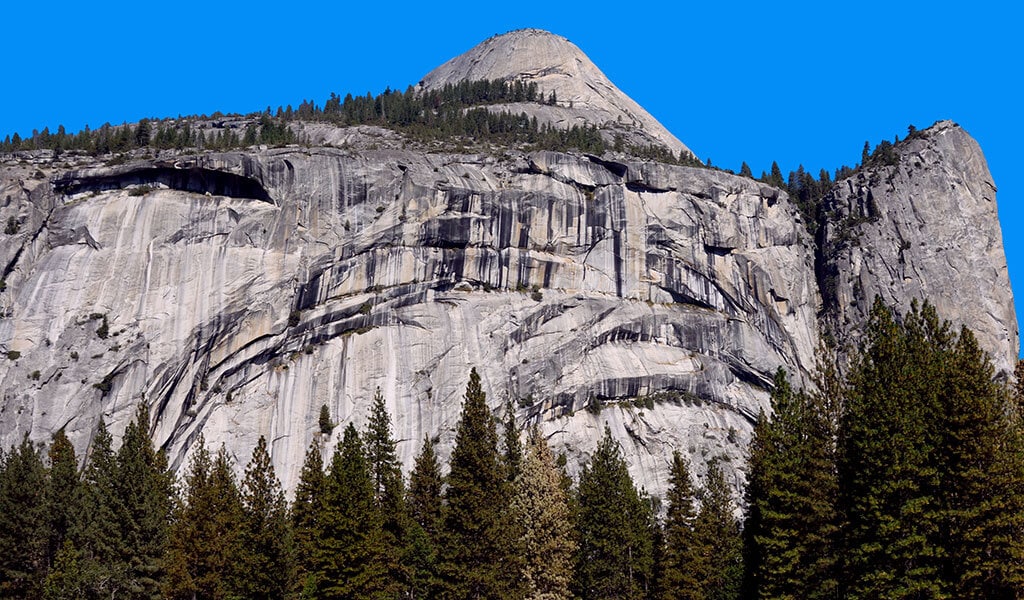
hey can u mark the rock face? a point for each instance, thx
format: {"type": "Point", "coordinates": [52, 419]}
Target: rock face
{"type": "Point", "coordinates": [925, 227]}
{"type": "Point", "coordinates": [584, 95]}
{"type": "Point", "coordinates": [236, 293]}
{"type": "Point", "coordinates": [581, 289]}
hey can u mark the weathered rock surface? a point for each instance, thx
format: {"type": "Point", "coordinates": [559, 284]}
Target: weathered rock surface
{"type": "Point", "coordinates": [924, 228]}
{"type": "Point", "coordinates": [238, 292]}
{"type": "Point", "coordinates": [584, 94]}
{"type": "Point", "coordinates": [568, 281]}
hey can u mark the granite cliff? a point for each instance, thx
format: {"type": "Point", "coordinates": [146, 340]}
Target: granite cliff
{"type": "Point", "coordinates": [238, 292]}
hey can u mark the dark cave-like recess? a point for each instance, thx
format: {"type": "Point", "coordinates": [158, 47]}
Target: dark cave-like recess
{"type": "Point", "coordinates": [195, 179]}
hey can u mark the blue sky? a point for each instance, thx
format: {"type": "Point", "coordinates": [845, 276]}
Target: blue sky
{"type": "Point", "coordinates": [798, 83]}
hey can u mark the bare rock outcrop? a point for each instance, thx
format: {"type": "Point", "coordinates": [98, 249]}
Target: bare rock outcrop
{"type": "Point", "coordinates": [922, 227]}
{"type": "Point", "coordinates": [584, 94]}
{"type": "Point", "coordinates": [654, 298]}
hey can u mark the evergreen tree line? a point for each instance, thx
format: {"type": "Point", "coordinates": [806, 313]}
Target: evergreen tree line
{"type": "Point", "coordinates": [903, 479]}
{"type": "Point", "coordinates": [807, 192]}
{"type": "Point", "coordinates": [161, 135]}
{"type": "Point", "coordinates": [505, 522]}
{"type": "Point", "coordinates": [454, 112]}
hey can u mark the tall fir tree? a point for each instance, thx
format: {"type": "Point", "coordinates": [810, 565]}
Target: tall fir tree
{"type": "Point", "coordinates": [65, 580]}
{"type": "Point", "coordinates": [389, 495]}
{"type": "Point", "coordinates": [307, 520]}
{"type": "Point", "coordinates": [792, 525]}
{"type": "Point", "coordinates": [615, 558]}
{"type": "Point", "coordinates": [265, 542]}
{"type": "Point", "coordinates": [204, 547]}
{"type": "Point", "coordinates": [512, 446]}
{"type": "Point", "coordinates": [23, 522]}
{"type": "Point", "coordinates": [678, 559]}
{"type": "Point", "coordinates": [143, 486]}
{"type": "Point", "coordinates": [889, 476]}
{"type": "Point", "coordinates": [982, 478]}
{"type": "Point", "coordinates": [96, 530]}
{"type": "Point", "coordinates": [380, 446]}
{"type": "Point", "coordinates": [541, 509]}
{"type": "Point", "coordinates": [424, 502]}
{"type": "Point", "coordinates": [477, 543]}
{"type": "Point", "coordinates": [62, 493]}
{"type": "Point", "coordinates": [425, 485]}
{"type": "Point", "coordinates": [717, 542]}
{"type": "Point", "coordinates": [351, 558]}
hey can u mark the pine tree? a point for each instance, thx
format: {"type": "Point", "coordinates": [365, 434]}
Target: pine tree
{"type": "Point", "coordinates": [265, 558]}
{"type": "Point", "coordinates": [324, 421]}
{"type": "Point", "coordinates": [791, 529]}
{"type": "Point", "coordinates": [476, 541]}
{"type": "Point", "coordinates": [204, 545]}
{"type": "Point", "coordinates": [425, 485]}
{"type": "Point", "coordinates": [717, 542]}
{"type": "Point", "coordinates": [677, 579]}
{"type": "Point", "coordinates": [775, 178]}
{"type": "Point", "coordinates": [96, 530]}
{"type": "Point", "coordinates": [889, 479]}
{"type": "Point", "coordinates": [541, 509]}
{"type": "Point", "coordinates": [424, 505]}
{"type": "Point", "coordinates": [350, 558]}
{"type": "Point", "coordinates": [389, 494]}
{"type": "Point", "coordinates": [512, 449]}
{"type": "Point", "coordinates": [143, 487]}
{"type": "Point", "coordinates": [23, 522]}
{"type": "Point", "coordinates": [142, 133]}
{"type": "Point", "coordinates": [380, 446]}
{"type": "Point", "coordinates": [66, 579]}
{"type": "Point", "coordinates": [62, 493]}
{"type": "Point", "coordinates": [307, 519]}
{"type": "Point", "coordinates": [982, 478]}
{"type": "Point", "coordinates": [745, 170]}
{"type": "Point", "coordinates": [615, 548]}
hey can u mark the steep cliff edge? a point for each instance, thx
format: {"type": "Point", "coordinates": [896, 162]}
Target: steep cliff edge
{"type": "Point", "coordinates": [238, 292]}
{"type": "Point", "coordinates": [921, 225]}
{"type": "Point", "coordinates": [576, 285]}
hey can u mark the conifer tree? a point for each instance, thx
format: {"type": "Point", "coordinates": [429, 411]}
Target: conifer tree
{"type": "Point", "coordinates": [424, 505]}
{"type": "Point", "coordinates": [541, 509]}
{"type": "Point", "coordinates": [476, 541]}
{"type": "Point", "coordinates": [775, 178]}
{"type": "Point", "coordinates": [717, 542]}
{"type": "Point", "coordinates": [62, 493]}
{"type": "Point", "coordinates": [982, 478]}
{"type": "Point", "coordinates": [265, 558]}
{"type": "Point", "coordinates": [204, 545]}
{"type": "Point", "coordinates": [889, 443]}
{"type": "Point", "coordinates": [389, 495]}
{"type": "Point", "coordinates": [143, 487]}
{"type": "Point", "coordinates": [66, 580]}
{"type": "Point", "coordinates": [678, 559]}
{"type": "Point", "coordinates": [425, 485]}
{"type": "Point", "coordinates": [380, 446]}
{"type": "Point", "coordinates": [512, 448]}
{"type": "Point", "coordinates": [96, 530]}
{"type": "Point", "coordinates": [307, 519]}
{"type": "Point", "coordinates": [23, 522]}
{"type": "Point", "coordinates": [791, 529]}
{"type": "Point", "coordinates": [350, 559]}
{"type": "Point", "coordinates": [615, 558]}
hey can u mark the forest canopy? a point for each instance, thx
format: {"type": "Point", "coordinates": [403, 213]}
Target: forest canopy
{"type": "Point", "coordinates": [901, 477]}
